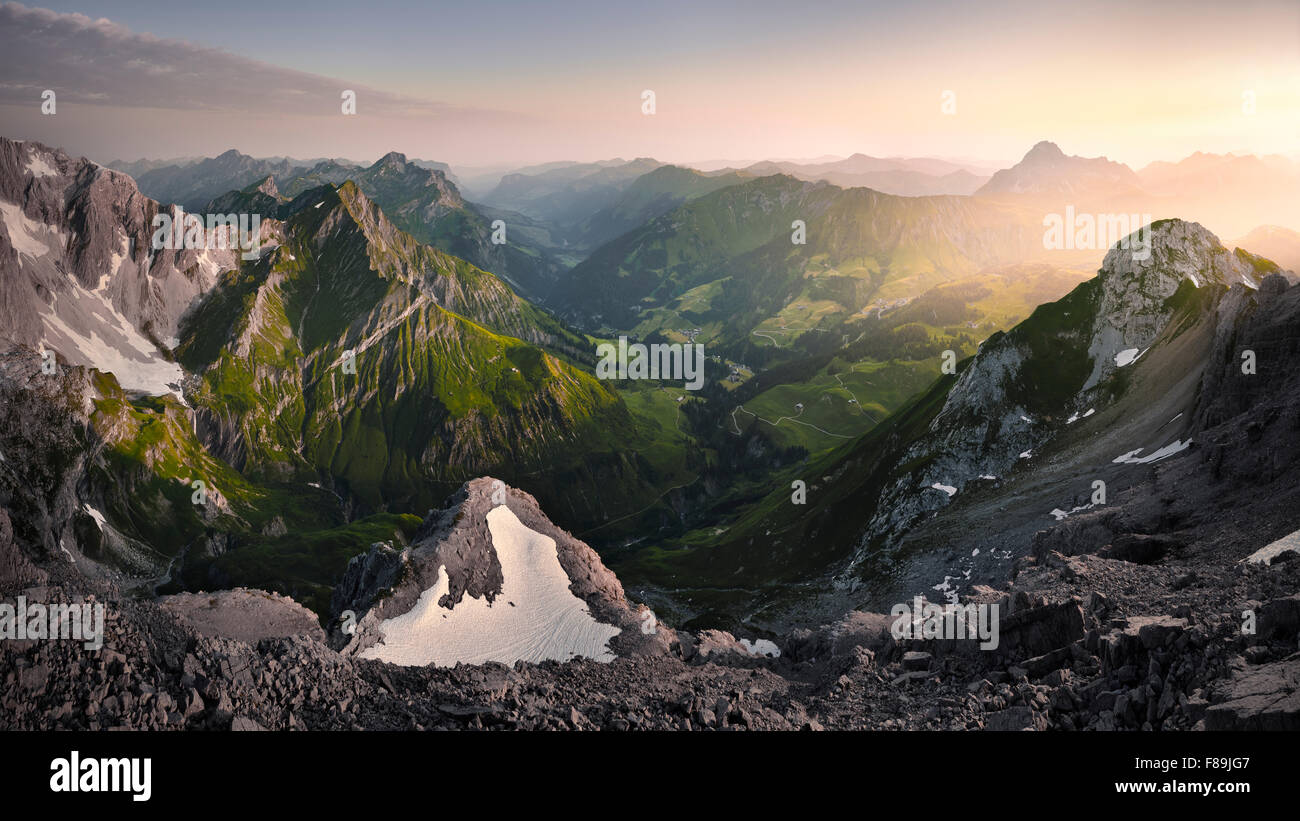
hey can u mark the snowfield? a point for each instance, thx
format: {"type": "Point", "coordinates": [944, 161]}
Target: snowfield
{"type": "Point", "coordinates": [1132, 458]}
{"type": "Point", "coordinates": [38, 167]}
{"type": "Point", "coordinates": [534, 618]}
{"type": "Point", "coordinates": [27, 236]}
{"type": "Point", "coordinates": [761, 647]}
{"type": "Point", "coordinates": [1126, 357]}
{"type": "Point", "coordinates": [1269, 552]}
{"type": "Point", "coordinates": [84, 327]}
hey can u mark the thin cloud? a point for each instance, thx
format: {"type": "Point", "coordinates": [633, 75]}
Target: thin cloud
{"type": "Point", "coordinates": [100, 62]}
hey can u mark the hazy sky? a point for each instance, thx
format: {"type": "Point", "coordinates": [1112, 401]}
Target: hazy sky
{"type": "Point", "coordinates": [482, 83]}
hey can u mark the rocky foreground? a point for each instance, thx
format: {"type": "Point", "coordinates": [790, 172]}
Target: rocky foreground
{"type": "Point", "coordinates": [1086, 642]}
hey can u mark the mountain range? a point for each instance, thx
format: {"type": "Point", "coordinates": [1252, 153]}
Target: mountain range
{"type": "Point", "coordinates": [392, 426]}
{"type": "Point", "coordinates": [210, 363]}
{"type": "Point", "coordinates": [907, 177]}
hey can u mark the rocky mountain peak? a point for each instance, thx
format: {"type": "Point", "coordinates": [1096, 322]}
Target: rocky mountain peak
{"type": "Point", "coordinates": [1043, 152]}
{"type": "Point", "coordinates": [1048, 171]}
{"type": "Point", "coordinates": [393, 159]}
{"type": "Point", "coordinates": [1169, 251]}
{"type": "Point", "coordinates": [1138, 277]}
{"type": "Point", "coordinates": [361, 207]}
{"type": "Point", "coordinates": [991, 418]}
{"type": "Point", "coordinates": [267, 186]}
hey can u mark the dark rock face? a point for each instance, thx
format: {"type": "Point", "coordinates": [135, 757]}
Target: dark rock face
{"type": "Point", "coordinates": [16, 570]}
{"type": "Point", "coordinates": [1033, 631]}
{"type": "Point", "coordinates": [1251, 422]}
{"type": "Point", "coordinates": [366, 578]}
{"type": "Point", "coordinates": [46, 448]}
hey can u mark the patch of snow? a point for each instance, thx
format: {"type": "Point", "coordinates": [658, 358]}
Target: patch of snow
{"type": "Point", "coordinates": [38, 167]}
{"type": "Point", "coordinates": [1061, 515]}
{"type": "Point", "coordinates": [116, 259]}
{"type": "Point", "coordinates": [949, 592]}
{"type": "Point", "coordinates": [949, 489]}
{"type": "Point", "coordinates": [761, 647]}
{"type": "Point", "coordinates": [94, 514]}
{"type": "Point", "coordinates": [84, 327]}
{"type": "Point", "coordinates": [1075, 417]}
{"type": "Point", "coordinates": [1194, 280]}
{"type": "Point", "coordinates": [1132, 458]}
{"type": "Point", "coordinates": [1027, 454]}
{"type": "Point", "coordinates": [1269, 552]}
{"type": "Point", "coordinates": [534, 618]}
{"type": "Point", "coordinates": [24, 232]}
{"type": "Point", "coordinates": [212, 260]}
{"type": "Point", "coordinates": [1126, 357]}
{"type": "Point", "coordinates": [986, 476]}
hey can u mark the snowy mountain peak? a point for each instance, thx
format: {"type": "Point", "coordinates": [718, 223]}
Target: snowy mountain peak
{"type": "Point", "coordinates": [490, 578]}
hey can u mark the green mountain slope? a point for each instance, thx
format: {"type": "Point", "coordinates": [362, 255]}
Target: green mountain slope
{"type": "Point", "coordinates": [649, 196]}
{"type": "Point", "coordinates": [727, 261]}
{"type": "Point", "coordinates": [449, 380]}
